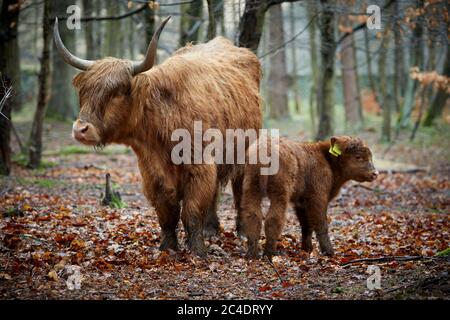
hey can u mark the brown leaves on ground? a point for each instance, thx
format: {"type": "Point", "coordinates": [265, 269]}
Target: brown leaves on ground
{"type": "Point", "coordinates": [48, 232]}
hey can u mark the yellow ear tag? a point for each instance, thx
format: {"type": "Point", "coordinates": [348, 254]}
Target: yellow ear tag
{"type": "Point", "coordinates": [335, 151]}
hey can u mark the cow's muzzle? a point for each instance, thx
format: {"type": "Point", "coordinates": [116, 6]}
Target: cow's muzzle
{"type": "Point", "coordinates": [85, 133]}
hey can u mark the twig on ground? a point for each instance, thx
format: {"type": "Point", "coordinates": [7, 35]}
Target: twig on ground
{"type": "Point", "coordinates": [371, 189]}
{"type": "Point", "coordinates": [408, 171]}
{"type": "Point", "coordinates": [274, 268]}
{"type": "Point", "coordinates": [424, 283]}
{"type": "Point", "coordinates": [386, 259]}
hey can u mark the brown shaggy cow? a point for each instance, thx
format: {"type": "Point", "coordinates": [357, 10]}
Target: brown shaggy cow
{"type": "Point", "coordinates": [136, 104]}
{"type": "Point", "coordinates": [310, 175]}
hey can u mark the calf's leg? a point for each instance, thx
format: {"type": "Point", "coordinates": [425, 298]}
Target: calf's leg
{"type": "Point", "coordinates": [236, 185]}
{"type": "Point", "coordinates": [317, 218]}
{"type": "Point", "coordinates": [274, 223]}
{"type": "Point", "coordinates": [306, 229]}
{"type": "Point", "coordinates": [251, 219]}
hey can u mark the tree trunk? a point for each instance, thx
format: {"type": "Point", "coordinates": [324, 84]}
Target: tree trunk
{"type": "Point", "coordinates": [9, 76]}
{"type": "Point", "coordinates": [278, 77]}
{"type": "Point", "coordinates": [190, 22]}
{"type": "Point", "coordinates": [251, 24]}
{"type": "Point", "coordinates": [399, 67]}
{"type": "Point", "coordinates": [386, 124]}
{"type": "Point", "coordinates": [294, 73]}
{"type": "Point", "coordinates": [35, 151]}
{"type": "Point", "coordinates": [88, 10]}
{"type": "Point", "coordinates": [440, 99]}
{"type": "Point", "coordinates": [112, 36]}
{"type": "Point", "coordinates": [149, 27]}
{"type": "Point", "coordinates": [370, 76]}
{"type": "Point", "coordinates": [62, 103]}
{"type": "Point", "coordinates": [416, 59]}
{"type": "Point", "coordinates": [352, 102]}
{"type": "Point", "coordinates": [325, 92]}
{"type": "Point", "coordinates": [211, 21]}
{"type": "Point", "coordinates": [313, 52]}
{"type": "Point", "coordinates": [220, 9]}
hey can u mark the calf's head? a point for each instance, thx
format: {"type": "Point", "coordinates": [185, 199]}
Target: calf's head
{"type": "Point", "coordinates": [354, 158]}
{"type": "Point", "coordinates": [104, 89]}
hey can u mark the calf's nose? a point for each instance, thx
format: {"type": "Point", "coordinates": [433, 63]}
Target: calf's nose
{"type": "Point", "coordinates": [374, 174]}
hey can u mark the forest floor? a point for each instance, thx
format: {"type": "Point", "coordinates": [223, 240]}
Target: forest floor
{"type": "Point", "coordinates": [51, 220]}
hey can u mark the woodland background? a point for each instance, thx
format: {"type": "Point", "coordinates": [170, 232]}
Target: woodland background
{"type": "Point", "coordinates": [324, 73]}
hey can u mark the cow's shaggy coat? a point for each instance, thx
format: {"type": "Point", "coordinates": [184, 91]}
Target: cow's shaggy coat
{"type": "Point", "coordinates": [216, 83]}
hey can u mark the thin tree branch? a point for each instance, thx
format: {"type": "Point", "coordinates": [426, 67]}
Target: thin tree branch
{"type": "Point", "coordinates": [118, 17]}
{"type": "Point", "coordinates": [290, 40]}
{"type": "Point", "coordinates": [360, 26]}
{"type": "Point", "coordinates": [386, 259]}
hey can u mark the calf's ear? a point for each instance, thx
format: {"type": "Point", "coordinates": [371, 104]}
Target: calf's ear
{"type": "Point", "coordinates": [333, 140]}
{"type": "Point", "coordinates": [335, 149]}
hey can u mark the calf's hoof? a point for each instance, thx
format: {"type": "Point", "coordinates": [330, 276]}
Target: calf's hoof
{"type": "Point", "coordinates": [240, 232]}
{"type": "Point", "coordinates": [271, 252]}
{"type": "Point", "coordinates": [328, 252]}
{"type": "Point", "coordinates": [252, 253]}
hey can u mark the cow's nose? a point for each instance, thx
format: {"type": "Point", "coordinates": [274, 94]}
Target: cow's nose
{"type": "Point", "coordinates": [79, 129]}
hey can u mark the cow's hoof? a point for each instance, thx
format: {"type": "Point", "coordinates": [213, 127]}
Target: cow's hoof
{"type": "Point", "coordinates": [211, 230]}
{"type": "Point", "coordinates": [168, 242]}
{"type": "Point", "coordinates": [307, 248]}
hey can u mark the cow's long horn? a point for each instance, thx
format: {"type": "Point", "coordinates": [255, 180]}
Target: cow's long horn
{"type": "Point", "coordinates": [149, 60]}
{"type": "Point", "coordinates": [66, 55]}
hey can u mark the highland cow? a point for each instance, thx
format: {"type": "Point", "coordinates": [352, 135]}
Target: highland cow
{"type": "Point", "coordinates": [139, 105]}
{"type": "Point", "coordinates": [310, 175]}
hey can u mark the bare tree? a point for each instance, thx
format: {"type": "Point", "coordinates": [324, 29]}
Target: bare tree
{"type": "Point", "coordinates": [311, 8]}
{"type": "Point", "coordinates": [35, 148]}
{"type": "Point", "coordinates": [325, 92]}
{"type": "Point", "coordinates": [88, 10]}
{"type": "Point", "coordinates": [294, 73]}
{"type": "Point", "coordinates": [252, 22]}
{"type": "Point", "coordinates": [278, 77]}
{"type": "Point", "coordinates": [352, 102]}
{"type": "Point", "coordinates": [386, 104]}
{"type": "Point", "coordinates": [62, 96]}
{"type": "Point", "coordinates": [190, 22]}
{"type": "Point", "coordinates": [212, 20]}
{"type": "Point", "coordinates": [9, 76]}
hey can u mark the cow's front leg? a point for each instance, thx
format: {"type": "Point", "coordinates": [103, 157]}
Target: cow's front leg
{"type": "Point", "coordinates": [168, 217]}
{"type": "Point", "coordinates": [211, 225]}
{"type": "Point", "coordinates": [197, 196]}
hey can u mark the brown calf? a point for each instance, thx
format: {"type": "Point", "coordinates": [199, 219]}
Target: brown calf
{"type": "Point", "coordinates": [310, 175]}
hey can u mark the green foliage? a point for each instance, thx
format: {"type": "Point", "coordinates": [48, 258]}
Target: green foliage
{"type": "Point", "coordinates": [73, 150]}
{"type": "Point", "coordinates": [13, 212]}
{"type": "Point", "coordinates": [117, 202]}
{"type": "Point", "coordinates": [338, 290]}
{"type": "Point", "coordinates": [46, 183]}
{"type": "Point", "coordinates": [443, 253]}
{"type": "Point", "coordinates": [22, 160]}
